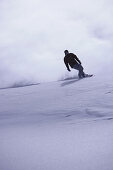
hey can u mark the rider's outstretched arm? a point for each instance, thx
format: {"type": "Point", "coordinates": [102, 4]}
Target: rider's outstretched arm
{"type": "Point", "coordinates": [67, 65]}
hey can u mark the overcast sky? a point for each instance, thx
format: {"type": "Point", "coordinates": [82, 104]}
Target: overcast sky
{"type": "Point", "coordinates": [35, 33]}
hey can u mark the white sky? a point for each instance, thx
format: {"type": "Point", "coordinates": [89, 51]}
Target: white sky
{"type": "Point", "coordinates": [35, 33]}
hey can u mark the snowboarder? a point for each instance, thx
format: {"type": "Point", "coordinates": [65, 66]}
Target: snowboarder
{"type": "Point", "coordinates": [72, 60]}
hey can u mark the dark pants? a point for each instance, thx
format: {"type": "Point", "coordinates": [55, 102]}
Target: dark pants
{"type": "Point", "coordinates": [80, 69]}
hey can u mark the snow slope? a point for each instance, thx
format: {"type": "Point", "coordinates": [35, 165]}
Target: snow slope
{"type": "Point", "coordinates": [64, 125]}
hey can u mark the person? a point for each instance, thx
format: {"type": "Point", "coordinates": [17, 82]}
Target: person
{"type": "Point", "coordinates": [72, 60]}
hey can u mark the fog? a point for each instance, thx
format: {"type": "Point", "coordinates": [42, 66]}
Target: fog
{"type": "Point", "coordinates": [34, 35]}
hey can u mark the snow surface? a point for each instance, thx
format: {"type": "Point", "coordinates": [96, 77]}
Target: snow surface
{"type": "Point", "coordinates": [64, 125]}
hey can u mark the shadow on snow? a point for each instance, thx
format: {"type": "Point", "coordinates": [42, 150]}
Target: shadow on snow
{"type": "Point", "coordinates": [19, 85]}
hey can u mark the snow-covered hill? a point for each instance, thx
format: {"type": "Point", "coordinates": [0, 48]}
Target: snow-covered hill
{"type": "Point", "coordinates": [64, 125]}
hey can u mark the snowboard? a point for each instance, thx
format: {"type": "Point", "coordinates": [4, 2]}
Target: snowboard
{"type": "Point", "coordinates": [88, 75]}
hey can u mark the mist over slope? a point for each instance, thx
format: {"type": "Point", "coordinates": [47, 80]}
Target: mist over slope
{"type": "Point", "coordinates": [34, 35]}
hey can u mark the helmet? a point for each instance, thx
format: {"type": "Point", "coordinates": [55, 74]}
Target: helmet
{"type": "Point", "coordinates": [66, 51]}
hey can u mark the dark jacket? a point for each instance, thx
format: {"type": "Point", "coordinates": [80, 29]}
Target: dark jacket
{"type": "Point", "coordinates": [70, 60]}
